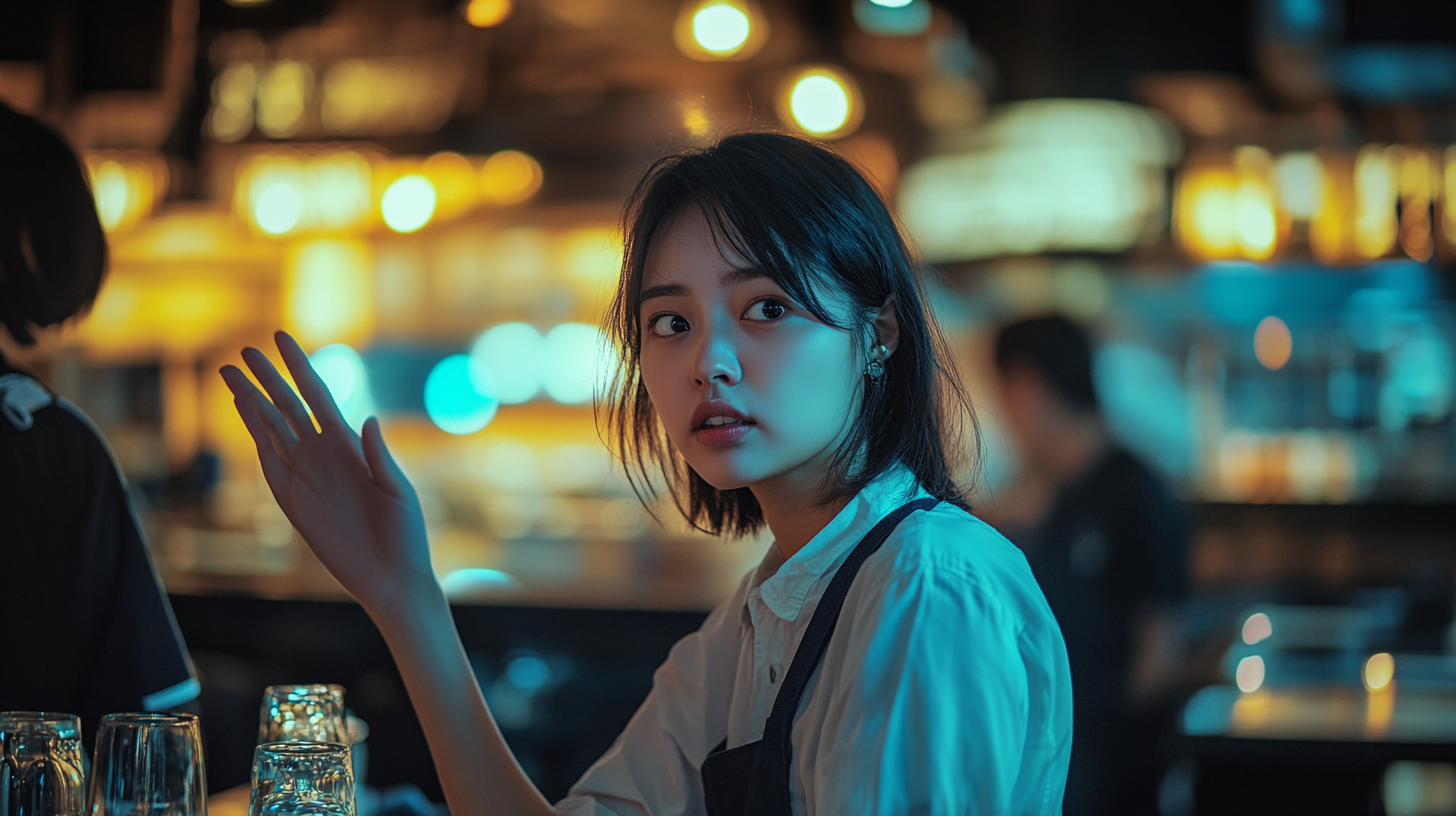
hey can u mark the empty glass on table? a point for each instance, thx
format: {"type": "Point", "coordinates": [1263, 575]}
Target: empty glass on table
{"type": "Point", "coordinates": [302, 779]}
{"type": "Point", "coordinates": [42, 770]}
{"type": "Point", "coordinates": [308, 712]}
{"type": "Point", "coordinates": [148, 764]}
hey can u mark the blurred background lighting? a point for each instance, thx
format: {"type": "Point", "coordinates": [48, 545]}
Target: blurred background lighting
{"type": "Point", "coordinates": [328, 296]}
{"type": "Point", "coordinates": [509, 177]}
{"type": "Point", "coordinates": [1249, 675]}
{"type": "Point", "coordinates": [1257, 628]}
{"type": "Point", "coordinates": [822, 102]}
{"type": "Point", "coordinates": [487, 13]}
{"type": "Point", "coordinates": [452, 400]}
{"type": "Point", "coordinates": [514, 354]}
{"type": "Point", "coordinates": [125, 187]}
{"type": "Point", "coordinates": [109, 185]}
{"type": "Point", "coordinates": [408, 203]}
{"type": "Point", "coordinates": [278, 208]}
{"type": "Point", "coordinates": [720, 29]}
{"type": "Point", "coordinates": [1379, 672]}
{"type": "Point", "coordinates": [283, 94]}
{"type": "Point", "coordinates": [453, 178]}
{"type": "Point", "coordinates": [892, 18]}
{"type": "Point", "coordinates": [341, 189]}
{"type": "Point", "coordinates": [576, 359]}
{"type": "Point", "coordinates": [1375, 197]}
{"type": "Point", "coordinates": [343, 372]}
{"type": "Point", "coordinates": [1300, 183]}
{"type": "Point", "coordinates": [1273, 343]}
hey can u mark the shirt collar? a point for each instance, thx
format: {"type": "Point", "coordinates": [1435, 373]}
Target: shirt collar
{"type": "Point", "coordinates": [785, 585]}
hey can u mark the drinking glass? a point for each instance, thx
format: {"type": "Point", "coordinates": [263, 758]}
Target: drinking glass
{"type": "Point", "coordinates": [303, 713]}
{"type": "Point", "coordinates": [41, 771]}
{"type": "Point", "coordinates": [302, 779]}
{"type": "Point", "coordinates": [148, 765]}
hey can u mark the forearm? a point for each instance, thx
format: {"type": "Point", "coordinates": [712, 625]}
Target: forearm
{"type": "Point", "coordinates": [477, 770]}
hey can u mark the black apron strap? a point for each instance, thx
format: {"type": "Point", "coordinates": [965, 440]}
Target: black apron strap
{"type": "Point", "coordinates": [754, 778]}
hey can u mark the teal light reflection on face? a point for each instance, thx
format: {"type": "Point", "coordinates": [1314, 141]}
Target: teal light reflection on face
{"type": "Point", "coordinates": [744, 341]}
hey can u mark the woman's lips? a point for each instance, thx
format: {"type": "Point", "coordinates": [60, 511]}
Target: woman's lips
{"type": "Point", "coordinates": [718, 435]}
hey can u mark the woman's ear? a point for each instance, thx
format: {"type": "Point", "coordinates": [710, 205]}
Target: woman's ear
{"type": "Point", "coordinates": [887, 326]}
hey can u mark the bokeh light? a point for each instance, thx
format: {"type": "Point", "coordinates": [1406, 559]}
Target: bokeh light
{"type": "Point", "coordinates": [1249, 675]}
{"type": "Point", "coordinates": [282, 96]}
{"type": "Point", "coordinates": [452, 400]}
{"type": "Point", "coordinates": [488, 13]}
{"type": "Point", "coordinates": [1273, 343]}
{"type": "Point", "coordinates": [720, 28]}
{"type": "Point", "coordinates": [823, 102]}
{"type": "Point", "coordinates": [278, 207]}
{"type": "Point", "coordinates": [576, 361]}
{"type": "Point", "coordinates": [509, 177]}
{"type": "Point", "coordinates": [1379, 672]}
{"type": "Point", "coordinates": [110, 188]}
{"type": "Point", "coordinates": [1257, 628]}
{"type": "Point", "coordinates": [512, 358]}
{"type": "Point", "coordinates": [1300, 183]}
{"type": "Point", "coordinates": [328, 296]}
{"type": "Point", "coordinates": [453, 178]}
{"type": "Point", "coordinates": [408, 203]}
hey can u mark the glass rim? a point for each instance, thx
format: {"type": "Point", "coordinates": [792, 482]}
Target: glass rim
{"type": "Point", "coordinates": [305, 688]}
{"type": "Point", "coordinates": [38, 717]}
{"type": "Point", "coordinates": [149, 718]}
{"type": "Point", "coordinates": [302, 748]}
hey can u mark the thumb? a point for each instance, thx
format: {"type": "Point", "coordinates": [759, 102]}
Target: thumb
{"type": "Point", "coordinates": [381, 463]}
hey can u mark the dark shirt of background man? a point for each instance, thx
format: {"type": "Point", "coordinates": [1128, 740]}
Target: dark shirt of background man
{"type": "Point", "coordinates": [1108, 546]}
{"type": "Point", "coordinates": [1112, 548]}
{"type": "Point", "coordinates": [87, 627]}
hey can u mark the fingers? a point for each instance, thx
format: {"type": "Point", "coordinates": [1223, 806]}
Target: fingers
{"type": "Point", "coordinates": [281, 393]}
{"type": "Point", "coordinates": [266, 425]}
{"type": "Point", "coordinates": [381, 462]}
{"type": "Point", "coordinates": [275, 467]}
{"type": "Point", "coordinates": [309, 383]}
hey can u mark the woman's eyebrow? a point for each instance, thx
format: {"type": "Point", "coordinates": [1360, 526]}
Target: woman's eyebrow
{"type": "Point", "coordinates": [740, 274]}
{"type": "Point", "coordinates": [664, 290]}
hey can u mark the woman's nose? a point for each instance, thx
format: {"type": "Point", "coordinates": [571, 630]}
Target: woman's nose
{"type": "Point", "coordinates": [716, 361]}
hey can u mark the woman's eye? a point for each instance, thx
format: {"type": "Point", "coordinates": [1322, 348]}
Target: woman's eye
{"type": "Point", "coordinates": [668, 324]}
{"type": "Point", "coordinates": [767, 310]}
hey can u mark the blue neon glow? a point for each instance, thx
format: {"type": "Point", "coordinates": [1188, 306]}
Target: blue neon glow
{"type": "Point", "coordinates": [453, 400]}
{"type": "Point", "coordinates": [578, 359]}
{"type": "Point", "coordinates": [343, 372]}
{"type": "Point", "coordinates": [511, 359]}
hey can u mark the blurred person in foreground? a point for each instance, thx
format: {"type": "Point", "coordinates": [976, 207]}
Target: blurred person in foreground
{"type": "Point", "coordinates": [1107, 542]}
{"type": "Point", "coordinates": [88, 628]}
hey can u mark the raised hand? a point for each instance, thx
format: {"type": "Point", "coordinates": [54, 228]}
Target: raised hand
{"type": "Point", "coordinates": [344, 494]}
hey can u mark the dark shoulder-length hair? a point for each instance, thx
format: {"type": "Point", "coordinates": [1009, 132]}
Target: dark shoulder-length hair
{"type": "Point", "coordinates": [52, 248]}
{"type": "Point", "coordinates": [811, 223]}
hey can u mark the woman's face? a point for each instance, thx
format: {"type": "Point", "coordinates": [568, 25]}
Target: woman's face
{"type": "Point", "coordinates": [723, 343]}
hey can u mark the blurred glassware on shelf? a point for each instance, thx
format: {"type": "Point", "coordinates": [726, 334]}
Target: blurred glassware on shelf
{"type": "Point", "coordinates": [312, 712]}
{"type": "Point", "coordinates": [42, 772]}
{"type": "Point", "coordinates": [313, 778]}
{"type": "Point", "coordinates": [148, 763]}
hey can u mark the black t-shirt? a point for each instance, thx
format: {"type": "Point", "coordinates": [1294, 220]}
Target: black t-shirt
{"type": "Point", "coordinates": [87, 627]}
{"type": "Point", "coordinates": [1114, 545]}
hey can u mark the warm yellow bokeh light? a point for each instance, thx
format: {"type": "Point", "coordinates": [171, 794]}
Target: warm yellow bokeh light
{"type": "Point", "coordinates": [109, 185]}
{"type": "Point", "coordinates": [408, 203]}
{"type": "Point", "coordinates": [1207, 212]}
{"type": "Point", "coordinates": [282, 96]}
{"type": "Point", "coordinates": [822, 102]}
{"type": "Point", "coordinates": [1379, 672]}
{"type": "Point", "coordinates": [278, 207]}
{"type": "Point", "coordinates": [720, 28]}
{"type": "Point", "coordinates": [453, 177]}
{"type": "Point", "coordinates": [488, 13]}
{"type": "Point", "coordinates": [328, 292]}
{"type": "Point", "coordinates": [1376, 190]}
{"type": "Point", "coordinates": [1273, 343]}
{"type": "Point", "coordinates": [341, 189]}
{"type": "Point", "coordinates": [125, 187]}
{"type": "Point", "coordinates": [509, 177]}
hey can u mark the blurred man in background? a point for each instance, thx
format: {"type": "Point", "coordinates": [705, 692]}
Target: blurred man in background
{"type": "Point", "coordinates": [1107, 542]}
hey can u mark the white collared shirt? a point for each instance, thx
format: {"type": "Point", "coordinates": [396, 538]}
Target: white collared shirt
{"type": "Point", "coordinates": [944, 689]}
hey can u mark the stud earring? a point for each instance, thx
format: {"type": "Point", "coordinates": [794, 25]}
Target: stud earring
{"type": "Point", "coordinates": [876, 367]}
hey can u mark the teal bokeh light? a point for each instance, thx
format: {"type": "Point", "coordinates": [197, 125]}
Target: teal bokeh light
{"type": "Point", "coordinates": [511, 358]}
{"type": "Point", "coordinates": [456, 401]}
{"type": "Point", "coordinates": [343, 372]}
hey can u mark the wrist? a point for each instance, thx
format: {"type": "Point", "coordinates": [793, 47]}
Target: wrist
{"type": "Point", "coordinates": [411, 610]}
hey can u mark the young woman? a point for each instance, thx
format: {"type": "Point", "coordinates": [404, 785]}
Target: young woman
{"type": "Point", "coordinates": [891, 654]}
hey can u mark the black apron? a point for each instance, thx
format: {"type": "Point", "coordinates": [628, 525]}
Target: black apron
{"type": "Point", "coordinates": [753, 779]}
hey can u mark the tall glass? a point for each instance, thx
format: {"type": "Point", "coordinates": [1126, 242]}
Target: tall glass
{"type": "Point", "coordinates": [148, 765]}
{"type": "Point", "coordinates": [303, 713]}
{"type": "Point", "coordinates": [42, 770]}
{"type": "Point", "coordinates": [302, 779]}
